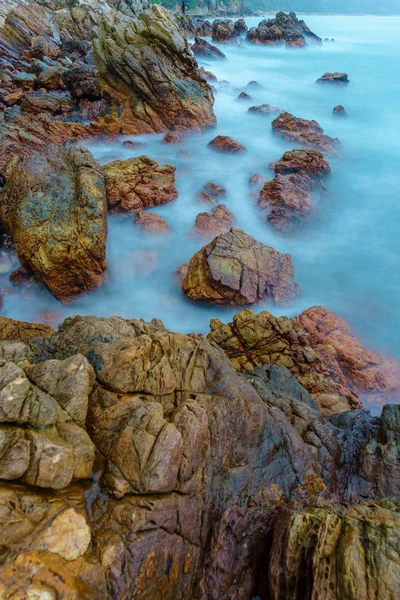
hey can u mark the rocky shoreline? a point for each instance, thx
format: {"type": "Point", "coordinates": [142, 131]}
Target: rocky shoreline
{"type": "Point", "coordinates": [137, 462]}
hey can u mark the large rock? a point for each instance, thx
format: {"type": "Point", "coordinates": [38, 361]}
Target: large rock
{"type": "Point", "coordinates": [304, 132]}
{"type": "Point", "coordinates": [54, 206]}
{"type": "Point", "coordinates": [212, 224]}
{"type": "Point", "coordinates": [308, 162]}
{"type": "Point", "coordinates": [205, 49]}
{"type": "Point", "coordinates": [236, 269]}
{"type": "Point", "coordinates": [225, 31]}
{"type": "Point", "coordinates": [138, 183]}
{"type": "Point", "coordinates": [225, 143]}
{"type": "Point", "coordinates": [11, 329]}
{"type": "Point", "coordinates": [284, 29]}
{"type": "Point", "coordinates": [286, 201]}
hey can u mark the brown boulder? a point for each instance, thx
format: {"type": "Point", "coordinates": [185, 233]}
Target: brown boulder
{"type": "Point", "coordinates": [244, 96]}
{"type": "Point", "coordinates": [218, 221]}
{"type": "Point", "coordinates": [54, 206]}
{"type": "Point", "coordinates": [203, 48]}
{"type": "Point", "coordinates": [206, 198]}
{"type": "Point", "coordinates": [264, 109]}
{"type": "Point", "coordinates": [138, 183]}
{"type": "Point", "coordinates": [19, 330]}
{"type": "Point", "coordinates": [339, 110]}
{"type": "Point", "coordinates": [236, 269]}
{"type": "Point", "coordinates": [364, 370]}
{"type": "Point", "coordinates": [338, 78]}
{"type": "Point", "coordinates": [151, 222]}
{"type": "Point", "coordinates": [286, 200]}
{"type": "Point", "coordinates": [215, 189]}
{"type": "Point", "coordinates": [225, 31]}
{"type": "Point", "coordinates": [208, 76]}
{"type": "Point", "coordinates": [284, 28]}
{"type": "Point", "coordinates": [305, 132]}
{"type": "Point", "coordinates": [224, 143]}
{"type": "Point", "coordinates": [307, 162]}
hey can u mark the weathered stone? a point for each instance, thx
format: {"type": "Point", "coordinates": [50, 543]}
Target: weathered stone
{"type": "Point", "coordinates": [138, 183]}
{"type": "Point", "coordinates": [225, 31]}
{"type": "Point", "coordinates": [264, 109]}
{"type": "Point", "coordinates": [338, 78]}
{"type": "Point", "coordinates": [339, 110]}
{"type": "Point", "coordinates": [215, 189]}
{"type": "Point", "coordinates": [151, 222]}
{"type": "Point", "coordinates": [224, 143]}
{"type": "Point", "coordinates": [286, 200]}
{"type": "Point", "coordinates": [68, 535]}
{"type": "Point", "coordinates": [285, 28]}
{"type": "Point", "coordinates": [236, 269]}
{"type": "Point", "coordinates": [54, 206]}
{"type": "Point", "coordinates": [203, 48]}
{"type": "Point", "coordinates": [218, 221]}
{"type": "Point", "coordinates": [43, 102]}
{"type": "Point", "coordinates": [308, 162]}
{"type": "Point", "coordinates": [11, 329]}
{"type": "Point", "coordinates": [14, 452]}
{"type": "Point", "coordinates": [305, 132]}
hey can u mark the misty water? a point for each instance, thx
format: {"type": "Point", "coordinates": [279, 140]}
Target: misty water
{"type": "Point", "coordinates": [347, 256]}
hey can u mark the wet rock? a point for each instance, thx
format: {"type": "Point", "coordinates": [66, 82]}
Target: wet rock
{"type": "Point", "coordinates": [151, 222]}
{"type": "Point", "coordinates": [224, 143]}
{"type": "Point", "coordinates": [264, 109]}
{"type": "Point", "coordinates": [307, 162]}
{"type": "Point", "coordinates": [236, 269]}
{"type": "Point", "coordinates": [138, 183]}
{"type": "Point", "coordinates": [22, 278]}
{"type": "Point", "coordinates": [192, 26]}
{"type": "Point", "coordinates": [339, 110]}
{"type": "Point", "coordinates": [304, 132]}
{"type": "Point", "coordinates": [203, 48]}
{"type": "Point", "coordinates": [218, 221]}
{"type": "Point", "coordinates": [11, 329]}
{"type": "Point", "coordinates": [257, 179]}
{"type": "Point", "coordinates": [253, 340]}
{"type": "Point", "coordinates": [286, 200]}
{"type": "Point", "coordinates": [82, 82]}
{"type": "Point", "coordinates": [224, 31]}
{"type": "Point", "coordinates": [285, 28]}
{"type": "Point", "coordinates": [338, 78]}
{"type": "Point", "coordinates": [364, 370]}
{"type": "Point", "coordinates": [54, 206]}
{"type": "Point", "coordinates": [175, 137]}
{"type": "Point", "coordinates": [255, 85]}
{"type": "Point", "coordinates": [215, 189]}
{"type": "Point", "coordinates": [206, 198]}
{"type": "Point", "coordinates": [244, 96]}
{"type": "Point", "coordinates": [208, 76]}
{"type": "Point", "coordinates": [241, 26]}
{"type": "Point", "coordinates": [323, 549]}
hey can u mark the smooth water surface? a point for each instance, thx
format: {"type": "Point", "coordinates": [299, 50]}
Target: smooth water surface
{"type": "Point", "coordinates": [347, 257]}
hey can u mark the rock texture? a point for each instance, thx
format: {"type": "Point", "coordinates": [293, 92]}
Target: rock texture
{"type": "Point", "coordinates": [236, 269]}
{"type": "Point", "coordinates": [305, 132]}
{"type": "Point", "coordinates": [339, 110]}
{"type": "Point", "coordinates": [217, 222]}
{"type": "Point", "coordinates": [286, 200]}
{"type": "Point", "coordinates": [211, 484]}
{"type": "Point", "coordinates": [138, 183]}
{"type": "Point", "coordinates": [338, 78]}
{"type": "Point", "coordinates": [318, 348]}
{"type": "Point", "coordinates": [205, 49]}
{"type": "Point", "coordinates": [264, 109]}
{"type": "Point", "coordinates": [151, 222]}
{"type": "Point", "coordinates": [225, 31]}
{"type": "Point", "coordinates": [224, 143]}
{"type": "Point", "coordinates": [283, 29]}
{"type": "Point", "coordinates": [54, 206]}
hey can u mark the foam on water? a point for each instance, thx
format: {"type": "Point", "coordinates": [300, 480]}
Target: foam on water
{"type": "Point", "coordinates": [347, 257]}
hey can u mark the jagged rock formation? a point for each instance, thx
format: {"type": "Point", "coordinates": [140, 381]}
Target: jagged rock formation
{"type": "Point", "coordinates": [202, 471]}
{"type": "Point", "coordinates": [210, 225]}
{"type": "Point", "coordinates": [236, 269]}
{"type": "Point", "coordinates": [283, 29]}
{"type": "Point", "coordinates": [307, 133]}
{"type": "Point", "coordinates": [54, 207]}
{"type": "Point", "coordinates": [338, 78]}
{"type": "Point", "coordinates": [205, 49]}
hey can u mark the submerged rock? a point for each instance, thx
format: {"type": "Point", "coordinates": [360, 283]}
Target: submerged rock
{"type": "Point", "coordinates": [305, 132]}
{"type": "Point", "coordinates": [138, 183]}
{"type": "Point", "coordinates": [225, 31]}
{"type": "Point", "coordinates": [236, 269]}
{"type": "Point", "coordinates": [218, 221]}
{"type": "Point", "coordinates": [224, 143]}
{"type": "Point", "coordinates": [264, 109]}
{"type": "Point", "coordinates": [244, 96]}
{"type": "Point", "coordinates": [215, 189]}
{"type": "Point", "coordinates": [151, 222]}
{"type": "Point", "coordinates": [339, 78]}
{"type": "Point", "coordinates": [203, 48]}
{"type": "Point", "coordinates": [339, 110]}
{"type": "Point", "coordinates": [54, 206]}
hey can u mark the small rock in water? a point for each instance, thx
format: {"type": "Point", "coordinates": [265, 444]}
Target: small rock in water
{"type": "Point", "coordinates": [224, 143]}
{"type": "Point", "coordinates": [214, 189]}
{"type": "Point", "coordinates": [257, 179]}
{"type": "Point", "coordinates": [151, 222]}
{"type": "Point", "coordinates": [131, 144]}
{"type": "Point", "coordinates": [306, 132]}
{"type": "Point", "coordinates": [254, 85]}
{"type": "Point", "coordinates": [203, 48]}
{"type": "Point", "coordinates": [175, 137]}
{"type": "Point", "coordinates": [218, 221]}
{"type": "Point", "coordinates": [206, 198]}
{"type": "Point", "coordinates": [264, 109]}
{"type": "Point", "coordinates": [207, 75]}
{"type": "Point", "coordinates": [340, 78]}
{"type": "Point", "coordinates": [244, 96]}
{"type": "Point", "coordinates": [339, 110]}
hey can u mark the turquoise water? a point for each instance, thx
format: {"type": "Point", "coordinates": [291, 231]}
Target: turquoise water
{"type": "Point", "coordinates": [347, 257]}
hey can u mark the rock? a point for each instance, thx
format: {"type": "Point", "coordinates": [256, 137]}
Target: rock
{"type": "Point", "coordinates": [339, 78]}
{"type": "Point", "coordinates": [285, 28]}
{"type": "Point", "coordinates": [206, 198]}
{"type": "Point", "coordinates": [286, 200]}
{"type": "Point", "coordinates": [207, 75]}
{"type": "Point", "coordinates": [215, 189]}
{"type": "Point", "coordinates": [257, 179]}
{"type": "Point", "coordinates": [307, 162]}
{"type": "Point", "coordinates": [236, 269]}
{"type": "Point", "coordinates": [244, 96]}
{"type": "Point", "coordinates": [203, 48]}
{"type": "Point", "coordinates": [192, 26]}
{"type": "Point", "coordinates": [138, 183]}
{"type": "Point", "coordinates": [68, 536]}
{"type": "Point", "coordinates": [175, 137]}
{"type": "Point", "coordinates": [241, 26]}
{"type": "Point", "coordinates": [255, 85]}
{"type": "Point", "coordinates": [264, 109]}
{"type": "Point", "coordinates": [22, 278]}
{"type": "Point", "coordinates": [224, 143]}
{"type": "Point", "coordinates": [63, 242]}
{"type": "Point", "coordinates": [364, 370]}
{"type": "Point", "coordinates": [224, 31]}
{"type": "Point", "coordinates": [23, 80]}
{"type": "Point", "coordinates": [339, 110]}
{"type": "Point", "coordinates": [217, 222]}
{"type": "Point", "coordinates": [82, 82]}
{"type": "Point", "coordinates": [51, 78]}
{"type": "Point", "coordinates": [151, 222]}
{"type": "Point", "coordinates": [304, 132]}
{"type": "Point", "coordinates": [46, 102]}
{"type": "Point", "coordinates": [323, 549]}
{"type": "Point", "coordinates": [19, 330]}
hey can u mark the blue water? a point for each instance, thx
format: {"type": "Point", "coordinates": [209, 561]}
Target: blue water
{"type": "Point", "coordinates": [347, 257]}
